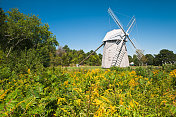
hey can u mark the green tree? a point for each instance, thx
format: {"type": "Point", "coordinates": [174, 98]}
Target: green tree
{"type": "Point", "coordinates": [165, 57]}
{"type": "Point", "coordinates": [136, 60]}
{"type": "Point", "coordinates": [68, 57]}
{"type": "Point", "coordinates": [130, 58]}
{"type": "Point", "coordinates": [93, 60]}
{"type": "Point", "coordinates": [81, 56]}
{"type": "Point", "coordinates": [100, 56]}
{"type": "Point", "coordinates": [25, 41]}
{"type": "Point", "coordinates": [2, 28]}
{"type": "Point", "coordinates": [150, 59]}
{"type": "Point", "coordinates": [143, 60]}
{"type": "Point", "coordinates": [66, 48]}
{"type": "Point", "coordinates": [25, 32]}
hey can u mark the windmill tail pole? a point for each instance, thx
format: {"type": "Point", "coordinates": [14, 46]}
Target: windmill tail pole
{"type": "Point", "coordinates": [90, 55]}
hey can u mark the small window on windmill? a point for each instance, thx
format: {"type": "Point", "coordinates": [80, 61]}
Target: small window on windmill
{"type": "Point", "coordinates": [125, 48]}
{"type": "Point", "coordinates": [109, 54]}
{"type": "Point", "coordinates": [118, 41]}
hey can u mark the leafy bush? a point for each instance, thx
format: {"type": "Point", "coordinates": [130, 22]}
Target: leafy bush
{"type": "Point", "coordinates": [28, 59]}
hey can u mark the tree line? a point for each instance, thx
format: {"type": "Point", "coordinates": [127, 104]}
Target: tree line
{"type": "Point", "coordinates": [68, 57]}
{"type": "Point", "coordinates": [163, 57]}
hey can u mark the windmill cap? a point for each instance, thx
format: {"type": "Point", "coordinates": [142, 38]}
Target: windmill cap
{"type": "Point", "coordinates": [114, 35]}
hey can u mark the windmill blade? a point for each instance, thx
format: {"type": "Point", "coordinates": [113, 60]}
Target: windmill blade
{"type": "Point", "coordinates": [132, 24]}
{"type": "Point", "coordinates": [133, 20]}
{"type": "Point", "coordinates": [130, 21]}
{"type": "Point", "coordinates": [139, 52]}
{"type": "Point", "coordinates": [90, 54]}
{"type": "Point", "coordinates": [131, 42]}
{"type": "Point", "coordinates": [115, 19]}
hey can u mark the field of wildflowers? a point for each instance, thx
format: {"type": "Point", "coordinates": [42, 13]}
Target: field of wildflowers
{"type": "Point", "coordinates": [92, 93]}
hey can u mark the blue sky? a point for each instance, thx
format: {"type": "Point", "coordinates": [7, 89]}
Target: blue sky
{"type": "Point", "coordinates": [82, 24]}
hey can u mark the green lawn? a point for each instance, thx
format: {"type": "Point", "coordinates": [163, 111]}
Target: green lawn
{"type": "Point", "coordinates": [83, 67]}
{"type": "Point", "coordinates": [99, 67]}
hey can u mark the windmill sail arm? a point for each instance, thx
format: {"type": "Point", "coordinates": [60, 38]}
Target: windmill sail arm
{"type": "Point", "coordinates": [132, 42]}
{"type": "Point", "coordinates": [131, 24]}
{"type": "Point", "coordinates": [91, 54]}
{"type": "Point", "coordinates": [138, 51]}
{"type": "Point", "coordinates": [115, 19]}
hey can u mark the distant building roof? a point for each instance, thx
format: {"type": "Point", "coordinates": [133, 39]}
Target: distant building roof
{"type": "Point", "coordinates": [132, 63]}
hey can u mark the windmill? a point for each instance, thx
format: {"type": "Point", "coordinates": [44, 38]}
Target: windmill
{"type": "Point", "coordinates": [115, 51]}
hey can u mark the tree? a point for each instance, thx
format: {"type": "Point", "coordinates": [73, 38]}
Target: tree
{"type": "Point", "coordinates": [136, 60]}
{"type": "Point", "coordinates": [66, 48]}
{"type": "Point", "coordinates": [60, 51]}
{"type": "Point", "coordinates": [150, 59]}
{"type": "Point", "coordinates": [2, 27]}
{"type": "Point", "coordinates": [25, 32]}
{"type": "Point", "coordinates": [143, 60]}
{"type": "Point", "coordinates": [130, 59]}
{"type": "Point", "coordinates": [165, 57]}
{"type": "Point", "coordinates": [100, 56]}
{"type": "Point", "coordinates": [25, 41]}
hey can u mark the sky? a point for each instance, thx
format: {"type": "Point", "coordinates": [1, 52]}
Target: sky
{"type": "Point", "coordinates": [82, 24]}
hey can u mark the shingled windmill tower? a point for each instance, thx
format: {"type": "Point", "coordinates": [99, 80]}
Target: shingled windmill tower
{"type": "Point", "coordinates": [115, 50]}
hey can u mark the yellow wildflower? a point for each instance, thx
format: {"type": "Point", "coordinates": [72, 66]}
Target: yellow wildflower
{"type": "Point", "coordinates": [163, 102]}
{"type": "Point", "coordinates": [121, 102]}
{"type": "Point", "coordinates": [133, 83]}
{"type": "Point", "coordinates": [174, 102]}
{"type": "Point", "coordinates": [133, 73]}
{"type": "Point", "coordinates": [173, 73]}
{"type": "Point", "coordinates": [3, 95]}
{"type": "Point", "coordinates": [105, 99]}
{"type": "Point", "coordinates": [97, 102]}
{"type": "Point", "coordinates": [78, 101]}
{"type": "Point", "coordinates": [136, 103]}
{"type": "Point", "coordinates": [20, 103]}
{"type": "Point", "coordinates": [66, 83]}
{"type": "Point", "coordinates": [155, 72]}
{"type": "Point", "coordinates": [131, 104]}
{"type": "Point", "coordinates": [60, 100]}
{"type": "Point", "coordinates": [149, 82]}
{"type": "Point", "coordinates": [113, 109]}
{"type": "Point", "coordinates": [29, 71]}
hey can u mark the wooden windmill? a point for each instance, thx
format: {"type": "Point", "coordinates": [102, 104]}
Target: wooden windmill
{"type": "Point", "coordinates": [115, 51]}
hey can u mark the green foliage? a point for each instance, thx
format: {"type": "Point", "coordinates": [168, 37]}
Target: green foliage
{"type": "Point", "coordinates": [68, 57]}
{"type": "Point", "coordinates": [29, 94]}
{"type": "Point", "coordinates": [136, 60]}
{"type": "Point", "coordinates": [93, 60]}
{"type": "Point", "coordinates": [168, 67]}
{"type": "Point", "coordinates": [165, 57]}
{"type": "Point", "coordinates": [2, 26]}
{"type": "Point", "coordinates": [26, 43]}
{"type": "Point", "coordinates": [116, 92]}
{"type": "Point", "coordinates": [24, 32]}
{"type": "Point", "coordinates": [150, 59]}
{"type": "Point", "coordinates": [130, 59]}
{"type": "Point", "coordinates": [119, 69]}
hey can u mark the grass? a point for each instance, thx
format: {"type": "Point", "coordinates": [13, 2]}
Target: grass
{"type": "Point", "coordinates": [83, 67]}
{"type": "Point", "coordinates": [99, 67]}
